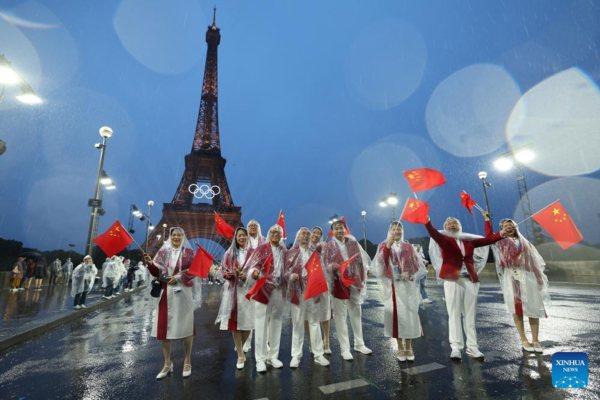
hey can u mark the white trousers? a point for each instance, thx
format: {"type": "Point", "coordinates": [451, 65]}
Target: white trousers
{"type": "Point", "coordinates": [316, 341]}
{"type": "Point", "coordinates": [341, 309]}
{"type": "Point", "coordinates": [461, 301]}
{"type": "Point", "coordinates": [267, 326]}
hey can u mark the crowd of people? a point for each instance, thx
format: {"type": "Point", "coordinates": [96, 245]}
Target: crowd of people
{"type": "Point", "coordinates": [264, 282]}
{"type": "Point", "coordinates": [28, 270]}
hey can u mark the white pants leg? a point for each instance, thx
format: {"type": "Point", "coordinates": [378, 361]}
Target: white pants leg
{"type": "Point", "coordinates": [340, 314]}
{"type": "Point", "coordinates": [298, 313]}
{"type": "Point", "coordinates": [454, 294]}
{"type": "Point", "coordinates": [261, 328]}
{"type": "Point", "coordinates": [275, 323]}
{"type": "Point", "coordinates": [355, 311]}
{"type": "Point", "coordinates": [316, 340]}
{"type": "Point", "coordinates": [471, 290]}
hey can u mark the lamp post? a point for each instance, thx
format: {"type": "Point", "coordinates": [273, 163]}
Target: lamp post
{"type": "Point", "coordinates": [390, 201]}
{"type": "Point", "coordinates": [106, 133]}
{"type": "Point", "coordinates": [516, 158]}
{"type": "Point", "coordinates": [149, 226]}
{"type": "Point", "coordinates": [9, 76]}
{"type": "Point", "coordinates": [482, 176]}
{"type": "Point", "coordinates": [164, 232]}
{"type": "Point", "coordinates": [364, 215]}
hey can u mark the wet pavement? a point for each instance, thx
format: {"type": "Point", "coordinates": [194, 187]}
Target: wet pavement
{"type": "Point", "coordinates": [109, 354]}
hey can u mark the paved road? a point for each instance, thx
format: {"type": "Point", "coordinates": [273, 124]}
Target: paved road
{"type": "Point", "coordinates": [109, 354]}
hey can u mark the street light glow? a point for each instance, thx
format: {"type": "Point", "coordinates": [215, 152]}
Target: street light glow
{"type": "Point", "coordinates": [8, 76]}
{"type": "Point", "coordinates": [106, 132]}
{"type": "Point", "coordinates": [524, 156]}
{"type": "Point", "coordinates": [503, 164]}
{"type": "Point", "coordinates": [151, 227]}
{"type": "Point", "coordinates": [392, 200]}
{"type": "Point", "coordinates": [382, 203]}
{"type": "Point", "coordinates": [363, 213]}
{"type": "Point", "coordinates": [482, 175]}
{"type": "Point", "coordinates": [29, 98]}
{"type": "Point", "coordinates": [110, 187]}
{"type": "Point", "coordinates": [106, 181]}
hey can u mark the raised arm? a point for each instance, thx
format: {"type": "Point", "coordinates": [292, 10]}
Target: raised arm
{"type": "Point", "coordinates": [435, 235]}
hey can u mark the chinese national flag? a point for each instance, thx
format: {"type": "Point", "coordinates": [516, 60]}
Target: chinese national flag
{"type": "Point", "coordinates": [223, 228]}
{"type": "Point", "coordinates": [281, 223]}
{"type": "Point", "coordinates": [558, 223]}
{"type": "Point", "coordinates": [261, 282]}
{"type": "Point", "coordinates": [114, 240]}
{"type": "Point", "coordinates": [315, 278]}
{"type": "Point", "coordinates": [345, 280]}
{"type": "Point", "coordinates": [201, 263]}
{"type": "Point", "coordinates": [424, 179]}
{"type": "Point", "coordinates": [345, 226]}
{"type": "Point", "coordinates": [467, 201]}
{"type": "Point", "coordinates": [415, 211]}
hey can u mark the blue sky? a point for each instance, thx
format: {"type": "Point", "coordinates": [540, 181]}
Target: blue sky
{"type": "Point", "coordinates": [322, 106]}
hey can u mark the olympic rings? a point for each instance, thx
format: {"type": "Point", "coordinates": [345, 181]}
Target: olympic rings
{"type": "Point", "coordinates": [205, 191]}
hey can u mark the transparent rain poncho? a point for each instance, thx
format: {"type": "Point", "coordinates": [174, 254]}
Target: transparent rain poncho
{"type": "Point", "coordinates": [84, 276]}
{"type": "Point", "coordinates": [253, 243]}
{"type": "Point", "coordinates": [520, 269]}
{"type": "Point", "coordinates": [233, 293]}
{"type": "Point", "coordinates": [480, 254]}
{"type": "Point", "coordinates": [175, 263]}
{"type": "Point", "coordinates": [275, 278]}
{"type": "Point", "coordinates": [140, 273]}
{"type": "Point", "coordinates": [357, 269]}
{"type": "Point", "coordinates": [399, 269]}
{"type": "Point", "coordinates": [111, 272]}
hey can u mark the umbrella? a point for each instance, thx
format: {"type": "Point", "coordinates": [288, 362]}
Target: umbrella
{"type": "Point", "coordinates": [30, 254]}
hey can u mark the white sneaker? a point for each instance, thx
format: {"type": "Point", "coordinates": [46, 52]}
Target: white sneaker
{"type": "Point", "coordinates": [427, 301]}
{"type": "Point", "coordinates": [346, 355]}
{"type": "Point", "coordinates": [456, 354]}
{"type": "Point", "coordinates": [475, 353]}
{"type": "Point", "coordinates": [106, 297]}
{"type": "Point", "coordinates": [76, 308]}
{"type": "Point", "coordinates": [295, 362]}
{"type": "Point", "coordinates": [113, 296]}
{"type": "Point", "coordinates": [117, 293]}
{"type": "Point", "coordinates": [261, 367]}
{"type": "Point", "coordinates": [275, 363]}
{"type": "Point", "coordinates": [363, 349]}
{"type": "Point", "coordinates": [322, 361]}
{"type": "Point", "coordinates": [83, 306]}
{"type": "Point", "coordinates": [21, 288]}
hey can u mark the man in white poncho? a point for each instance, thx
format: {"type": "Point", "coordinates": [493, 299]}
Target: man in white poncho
{"type": "Point", "coordinates": [84, 277]}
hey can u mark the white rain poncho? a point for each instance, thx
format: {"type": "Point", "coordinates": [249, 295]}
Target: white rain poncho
{"type": "Point", "coordinates": [275, 276]}
{"type": "Point", "coordinates": [520, 269]}
{"type": "Point", "coordinates": [84, 276]}
{"type": "Point", "coordinates": [235, 312]}
{"type": "Point", "coordinates": [480, 254]}
{"type": "Point", "coordinates": [399, 269]}
{"type": "Point", "coordinates": [111, 273]}
{"type": "Point", "coordinates": [174, 318]}
{"type": "Point", "coordinates": [318, 308]}
{"type": "Point", "coordinates": [259, 240]}
{"type": "Point", "coordinates": [141, 272]}
{"type": "Point", "coordinates": [357, 269]}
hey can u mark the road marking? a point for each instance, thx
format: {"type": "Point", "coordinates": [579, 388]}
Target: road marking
{"type": "Point", "coordinates": [423, 368]}
{"type": "Point", "coordinates": [338, 387]}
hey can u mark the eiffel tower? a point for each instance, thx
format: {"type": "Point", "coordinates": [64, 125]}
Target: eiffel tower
{"type": "Point", "coordinates": [203, 166]}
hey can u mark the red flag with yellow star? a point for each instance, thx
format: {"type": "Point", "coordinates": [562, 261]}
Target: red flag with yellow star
{"type": "Point", "coordinates": [415, 211]}
{"type": "Point", "coordinates": [281, 223]}
{"type": "Point", "coordinates": [114, 240]}
{"type": "Point", "coordinates": [346, 280]}
{"type": "Point", "coordinates": [223, 228]}
{"type": "Point", "coordinates": [558, 223]}
{"type": "Point", "coordinates": [315, 278]}
{"type": "Point", "coordinates": [201, 263]}
{"type": "Point", "coordinates": [424, 179]}
{"type": "Point", "coordinates": [261, 282]}
{"type": "Point", "coordinates": [467, 201]}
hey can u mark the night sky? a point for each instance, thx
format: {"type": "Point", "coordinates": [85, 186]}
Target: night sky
{"type": "Point", "coordinates": [322, 105]}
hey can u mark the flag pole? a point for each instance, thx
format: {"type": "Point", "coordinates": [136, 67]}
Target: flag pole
{"type": "Point", "coordinates": [531, 216]}
{"type": "Point", "coordinates": [137, 244]}
{"type": "Point", "coordinates": [400, 217]}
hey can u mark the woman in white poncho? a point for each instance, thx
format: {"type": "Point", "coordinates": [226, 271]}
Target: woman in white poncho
{"type": "Point", "coordinates": [400, 269]}
{"type": "Point", "coordinates": [180, 296]}
{"type": "Point", "coordinates": [110, 277]}
{"type": "Point", "coordinates": [84, 277]}
{"type": "Point", "coordinates": [236, 313]}
{"type": "Point", "coordinates": [520, 270]}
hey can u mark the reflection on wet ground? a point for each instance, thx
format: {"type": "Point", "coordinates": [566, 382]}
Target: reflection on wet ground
{"type": "Point", "coordinates": [109, 354]}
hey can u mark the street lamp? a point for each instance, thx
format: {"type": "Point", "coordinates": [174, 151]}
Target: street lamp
{"type": "Point", "coordinates": [391, 200]}
{"type": "Point", "coordinates": [106, 133]}
{"type": "Point", "coordinates": [482, 176]}
{"type": "Point", "coordinates": [9, 76]}
{"type": "Point", "coordinates": [516, 158]}
{"type": "Point", "coordinates": [333, 218]}
{"type": "Point", "coordinates": [364, 215]}
{"type": "Point", "coordinates": [164, 232]}
{"type": "Point", "coordinates": [149, 226]}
